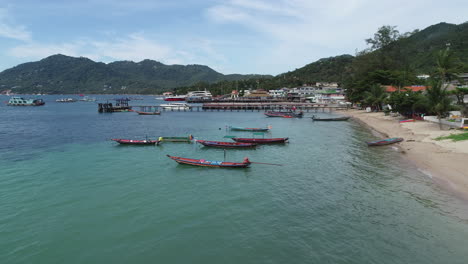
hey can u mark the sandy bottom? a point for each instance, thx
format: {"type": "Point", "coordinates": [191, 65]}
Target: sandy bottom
{"type": "Point", "coordinates": [446, 161]}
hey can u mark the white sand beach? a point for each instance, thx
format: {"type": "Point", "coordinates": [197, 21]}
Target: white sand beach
{"type": "Point", "coordinates": [445, 161]}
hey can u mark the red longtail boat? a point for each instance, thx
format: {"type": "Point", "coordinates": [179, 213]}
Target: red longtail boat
{"type": "Point", "coordinates": [220, 144]}
{"type": "Point", "coordinates": [261, 140]}
{"type": "Point", "coordinates": [211, 163]}
{"type": "Point", "coordinates": [147, 113]}
{"type": "Point", "coordinates": [135, 142]}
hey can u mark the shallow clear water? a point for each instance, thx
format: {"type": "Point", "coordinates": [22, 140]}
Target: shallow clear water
{"type": "Point", "coordinates": [69, 195]}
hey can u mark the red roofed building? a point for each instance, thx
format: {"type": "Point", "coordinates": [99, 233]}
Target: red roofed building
{"type": "Point", "coordinates": [413, 88]}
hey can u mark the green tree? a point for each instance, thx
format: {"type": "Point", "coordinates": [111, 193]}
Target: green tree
{"type": "Point", "coordinates": [375, 96]}
{"type": "Point", "coordinates": [438, 101]}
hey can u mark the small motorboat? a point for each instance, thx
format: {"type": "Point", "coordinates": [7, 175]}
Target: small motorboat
{"type": "Point", "coordinates": [147, 113]}
{"type": "Point", "coordinates": [253, 129]}
{"type": "Point", "coordinates": [220, 144]}
{"type": "Point", "coordinates": [261, 140]}
{"type": "Point", "coordinates": [176, 106]}
{"type": "Point", "coordinates": [383, 142]}
{"type": "Point", "coordinates": [211, 163]}
{"type": "Point", "coordinates": [341, 118]}
{"type": "Point", "coordinates": [136, 142]}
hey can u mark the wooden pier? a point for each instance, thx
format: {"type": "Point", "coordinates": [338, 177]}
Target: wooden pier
{"type": "Point", "coordinates": [251, 107]}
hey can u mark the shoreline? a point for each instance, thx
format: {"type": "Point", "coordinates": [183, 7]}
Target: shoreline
{"type": "Point", "coordinates": [445, 162]}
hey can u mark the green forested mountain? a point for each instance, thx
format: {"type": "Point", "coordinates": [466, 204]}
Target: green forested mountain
{"type": "Point", "coordinates": [64, 74]}
{"type": "Point", "coordinates": [394, 59]}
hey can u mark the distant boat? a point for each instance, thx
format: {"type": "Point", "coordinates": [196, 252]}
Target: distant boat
{"type": "Point", "coordinates": [220, 144]}
{"type": "Point", "coordinates": [87, 99]}
{"type": "Point", "coordinates": [211, 163]}
{"type": "Point", "coordinates": [187, 139]}
{"type": "Point", "coordinates": [136, 142]}
{"type": "Point", "coordinates": [284, 114]}
{"type": "Point", "coordinates": [147, 113]}
{"type": "Point", "coordinates": [261, 140]}
{"type": "Point", "coordinates": [20, 101]}
{"type": "Point", "coordinates": [384, 142]}
{"type": "Point", "coordinates": [342, 118]}
{"type": "Point", "coordinates": [176, 106]}
{"type": "Point", "coordinates": [65, 100]}
{"type": "Point", "coordinates": [254, 129]}
{"type": "Point", "coordinates": [175, 98]}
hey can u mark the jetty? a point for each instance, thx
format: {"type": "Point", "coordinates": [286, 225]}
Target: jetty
{"type": "Point", "coordinates": [238, 107]}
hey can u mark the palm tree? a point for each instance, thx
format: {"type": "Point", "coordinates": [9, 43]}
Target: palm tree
{"type": "Point", "coordinates": [439, 102]}
{"type": "Point", "coordinates": [375, 96]}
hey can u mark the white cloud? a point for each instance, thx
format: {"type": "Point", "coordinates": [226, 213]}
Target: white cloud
{"type": "Point", "coordinates": [9, 30]}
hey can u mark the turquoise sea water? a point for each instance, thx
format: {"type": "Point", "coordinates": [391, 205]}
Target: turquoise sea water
{"type": "Point", "coordinates": [69, 195]}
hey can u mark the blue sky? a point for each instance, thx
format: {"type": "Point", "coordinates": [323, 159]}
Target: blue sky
{"type": "Point", "coordinates": [231, 36]}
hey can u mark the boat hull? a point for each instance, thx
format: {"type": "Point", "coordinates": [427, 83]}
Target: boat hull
{"type": "Point", "coordinates": [261, 140]}
{"type": "Point", "coordinates": [209, 163]}
{"type": "Point", "coordinates": [219, 144]}
{"type": "Point", "coordinates": [344, 118]}
{"type": "Point", "coordinates": [284, 114]}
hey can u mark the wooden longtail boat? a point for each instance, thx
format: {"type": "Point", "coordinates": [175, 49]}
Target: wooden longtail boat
{"type": "Point", "coordinates": [211, 163]}
{"type": "Point", "coordinates": [148, 113]}
{"type": "Point", "coordinates": [136, 142]}
{"type": "Point", "coordinates": [342, 118]}
{"type": "Point", "coordinates": [261, 140]}
{"type": "Point", "coordinates": [177, 139]}
{"type": "Point", "coordinates": [284, 114]}
{"type": "Point", "coordinates": [384, 142]}
{"type": "Point", "coordinates": [220, 144]}
{"type": "Point", "coordinates": [249, 129]}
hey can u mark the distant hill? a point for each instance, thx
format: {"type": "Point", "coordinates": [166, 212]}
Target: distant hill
{"type": "Point", "coordinates": [62, 74]}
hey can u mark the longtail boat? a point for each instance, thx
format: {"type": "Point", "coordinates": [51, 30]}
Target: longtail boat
{"type": "Point", "coordinates": [384, 142]}
{"type": "Point", "coordinates": [148, 113]}
{"type": "Point", "coordinates": [211, 163]}
{"type": "Point", "coordinates": [135, 142]}
{"type": "Point", "coordinates": [220, 144]}
{"type": "Point", "coordinates": [341, 118]}
{"type": "Point", "coordinates": [187, 139]}
{"type": "Point", "coordinates": [261, 140]}
{"type": "Point", "coordinates": [284, 114]}
{"type": "Point", "coordinates": [254, 129]}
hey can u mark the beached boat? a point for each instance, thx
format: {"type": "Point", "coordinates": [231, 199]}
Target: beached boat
{"type": "Point", "coordinates": [211, 163]}
{"type": "Point", "coordinates": [177, 139]}
{"type": "Point", "coordinates": [284, 114]}
{"type": "Point", "coordinates": [261, 140]}
{"type": "Point", "coordinates": [147, 113]}
{"type": "Point", "coordinates": [20, 101]}
{"type": "Point", "coordinates": [341, 118]}
{"type": "Point", "coordinates": [384, 142]}
{"type": "Point", "coordinates": [135, 142]}
{"type": "Point", "coordinates": [220, 144]}
{"type": "Point", "coordinates": [176, 106]}
{"type": "Point", "coordinates": [254, 129]}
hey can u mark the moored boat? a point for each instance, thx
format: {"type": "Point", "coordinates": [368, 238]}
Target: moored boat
{"type": "Point", "coordinates": [175, 98]}
{"type": "Point", "coordinates": [147, 113]}
{"type": "Point", "coordinates": [220, 144]}
{"type": "Point", "coordinates": [284, 114]}
{"type": "Point", "coordinates": [384, 141]}
{"type": "Point", "coordinates": [341, 118]}
{"type": "Point", "coordinates": [176, 106]}
{"type": "Point", "coordinates": [135, 142]}
{"type": "Point", "coordinates": [254, 129]}
{"type": "Point", "coordinates": [65, 100]}
{"type": "Point", "coordinates": [261, 140]}
{"type": "Point", "coordinates": [20, 101]}
{"type": "Point", "coordinates": [187, 139]}
{"type": "Point", "coordinates": [211, 163]}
